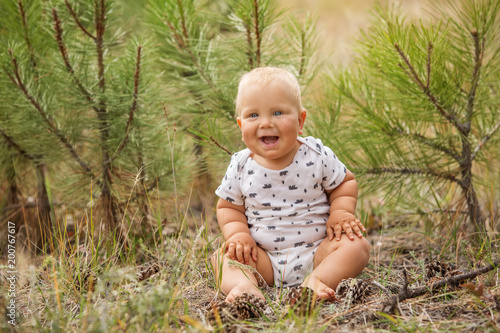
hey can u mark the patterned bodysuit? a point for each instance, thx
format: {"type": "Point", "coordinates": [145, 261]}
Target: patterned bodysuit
{"type": "Point", "coordinates": [286, 209]}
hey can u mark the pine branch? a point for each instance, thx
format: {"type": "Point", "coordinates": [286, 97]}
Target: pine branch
{"type": "Point", "coordinates": [48, 120]}
{"type": "Point", "coordinates": [183, 45]}
{"type": "Point", "coordinates": [26, 33]}
{"type": "Point", "coordinates": [77, 20]}
{"type": "Point", "coordinates": [390, 305]}
{"type": "Point", "coordinates": [431, 143]}
{"type": "Point", "coordinates": [484, 140]}
{"type": "Point", "coordinates": [250, 44]}
{"type": "Point", "coordinates": [476, 74]}
{"type": "Point", "coordinates": [220, 146]}
{"type": "Point", "coordinates": [133, 106]}
{"type": "Point", "coordinates": [302, 68]}
{"type": "Point", "coordinates": [64, 53]}
{"type": "Point", "coordinates": [450, 116]}
{"type": "Point", "coordinates": [10, 142]}
{"type": "Point", "coordinates": [178, 38]}
{"type": "Point", "coordinates": [407, 171]}
{"type": "Point", "coordinates": [429, 55]}
{"type": "Point", "coordinates": [258, 38]}
{"type": "Point", "coordinates": [183, 20]}
{"type": "Point", "coordinates": [100, 27]}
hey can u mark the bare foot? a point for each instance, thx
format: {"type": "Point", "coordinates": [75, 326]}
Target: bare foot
{"type": "Point", "coordinates": [321, 290]}
{"type": "Point", "coordinates": [244, 287]}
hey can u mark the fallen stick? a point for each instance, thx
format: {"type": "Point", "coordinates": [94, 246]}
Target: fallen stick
{"type": "Point", "coordinates": [389, 306]}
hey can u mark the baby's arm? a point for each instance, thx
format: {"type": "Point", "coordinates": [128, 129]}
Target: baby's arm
{"type": "Point", "coordinates": [342, 205]}
{"type": "Point", "coordinates": [234, 226]}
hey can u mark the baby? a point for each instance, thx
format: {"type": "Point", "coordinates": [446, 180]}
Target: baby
{"type": "Point", "coordinates": [285, 201]}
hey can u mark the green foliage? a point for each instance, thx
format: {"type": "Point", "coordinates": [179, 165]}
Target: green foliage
{"type": "Point", "coordinates": [79, 97]}
{"type": "Point", "coordinates": [206, 46]}
{"type": "Point", "coordinates": [422, 107]}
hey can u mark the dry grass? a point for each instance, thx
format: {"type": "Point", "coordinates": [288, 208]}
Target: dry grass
{"type": "Point", "coordinates": [167, 285]}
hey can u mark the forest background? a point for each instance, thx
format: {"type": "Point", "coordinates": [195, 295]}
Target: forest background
{"type": "Point", "coordinates": [117, 123]}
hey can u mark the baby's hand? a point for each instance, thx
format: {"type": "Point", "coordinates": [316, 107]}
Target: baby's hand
{"type": "Point", "coordinates": [343, 221]}
{"type": "Point", "coordinates": [241, 246]}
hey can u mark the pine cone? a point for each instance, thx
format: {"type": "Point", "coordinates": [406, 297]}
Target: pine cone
{"type": "Point", "coordinates": [242, 308]}
{"type": "Point", "coordinates": [148, 270]}
{"type": "Point", "coordinates": [302, 300]}
{"type": "Point", "coordinates": [437, 268]}
{"type": "Point", "coordinates": [353, 289]}
{"type": "Point", "coordinates": [223, 312]}
{"type": "Point", "coordinates": [249, 306]}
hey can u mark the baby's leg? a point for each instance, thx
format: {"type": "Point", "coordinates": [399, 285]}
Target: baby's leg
{"type": "Point", "coordinates": [335, 261]}
{"type": "Point", "coordinates": [234, 281]}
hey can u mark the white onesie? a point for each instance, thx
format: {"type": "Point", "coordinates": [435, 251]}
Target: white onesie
{"type": "Point", "coordinates": [286, 209]}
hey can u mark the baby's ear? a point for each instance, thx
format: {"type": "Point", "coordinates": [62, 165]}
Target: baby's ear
{"type": "Point", "coordinates": [238, 120]}
{"type": "Point", "coordinates": [302, 119]}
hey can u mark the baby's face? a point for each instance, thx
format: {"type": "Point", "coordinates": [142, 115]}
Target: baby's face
{"type": "Point", "coordinates": [270, 121]}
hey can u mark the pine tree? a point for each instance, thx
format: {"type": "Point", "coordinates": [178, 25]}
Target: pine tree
{"type": "Point", "coordinates": [417, 115]}
{"type": "Point", "coordinates": [205, 46]}
{"type": "Point", "coordinates": [79, 104]}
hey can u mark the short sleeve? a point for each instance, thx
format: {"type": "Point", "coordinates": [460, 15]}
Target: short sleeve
{"type": "Point", "coordinates": [334, 170]}
{"type": "Point", "coordinates": [229, 188]}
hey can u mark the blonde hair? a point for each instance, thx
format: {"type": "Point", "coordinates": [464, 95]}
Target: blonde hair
{"type": "Point", "coordinates": [263, 76]}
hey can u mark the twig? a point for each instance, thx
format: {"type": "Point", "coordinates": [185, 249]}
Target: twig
{"type": "Point", "coordinates": [51, 126]}
{"type": "Point", "coordinates": [178, 38]}
{"type": "Point", "coordinates": [10, 141]}
{"type": "Point", "coordinates": [182, 44]}
{"type": "Point", "coordinates": [22, 12]}
{"type": "Point", "coordinates": [390, 305]}
{"type": "Point", "coordinates": [484, 140]}
{"type": "Point", "coordinates": [451, 117]}
{"type": "Point", "coordinates": [183, 20]}
{"type": "Point", "coordinates": [220, 146]}
{"type": "Point", "coordinates": [429, 54]}
{"type": "Point", "coordinates": [77, 21]}
{"type": "Point", "coordinates": [381, 287]}
{"type": "Point", "coordinates": [133, 107]}
{"type": "Point", "coordinates": [100, 27]}
{"type": "Point", "coordinates": [250, 44]}
{"type": "Point", "coordinates": [476, 73]}
{"type": "Point", "coordinates": [64, 53]}
{"type": "Point", "coordinates": [431, 143]}
{"type": "Point", "coordinates": [407, 171]}
{"type": "Point", "coordinates": [257, 31]}
{"type": "Point", "coordinates": [302, 52]}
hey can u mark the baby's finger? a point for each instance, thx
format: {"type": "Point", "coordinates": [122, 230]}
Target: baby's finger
{"type": "Point", "coordinates": [239, 253]}
{"type": "Point", "coordinates": [348, 230]}
{"type": "Point", "coordinates": [360, 225]}
{"type": "Point", "coordinates": [246, 254]}
{"type": "Point", "coordinates": [231, 251]}
{"type": "Point", "coordinates": [338, 231]}
{"type": "Point", "coordinates": [253, 253]}
{"type": "Point", "coordinates": [330, 232]}
{"type": "Point", "coordinates": [356, 230]}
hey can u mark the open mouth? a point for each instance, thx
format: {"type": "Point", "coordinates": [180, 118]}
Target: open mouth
{"type": "Point", "coordinates": [269, 140]}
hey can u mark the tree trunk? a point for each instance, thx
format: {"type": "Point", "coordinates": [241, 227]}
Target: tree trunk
{"type": "Point", "coordinates": [107, 199]}
{"type": "Point", "coordinates": [469, 192]}
{"type": "Point", "coordinates": [43, 207]}
{"type": "Point", "coordinates": [13, 197]}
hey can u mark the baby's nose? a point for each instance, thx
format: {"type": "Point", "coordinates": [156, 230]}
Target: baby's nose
{"type": "Point", "coordinates": [266, 122]}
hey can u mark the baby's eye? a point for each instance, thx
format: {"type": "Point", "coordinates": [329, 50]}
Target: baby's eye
{"type": "Point", "coordinates": [278, 113]}
{"type": "Point", "coordinates": [254, 115]}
